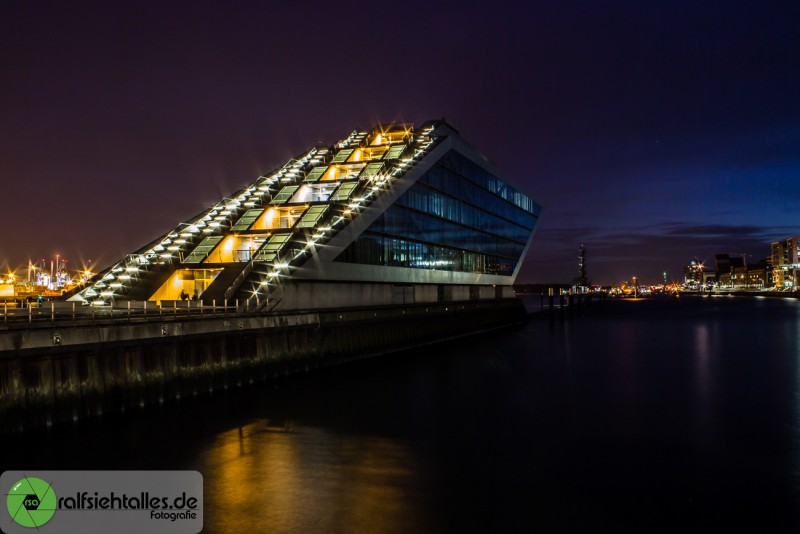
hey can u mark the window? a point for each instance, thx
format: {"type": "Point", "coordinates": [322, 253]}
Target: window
{"type": "Point", "coordinates": [342, 155]}
{"type": "Point", "coordinates": [371, 170]}
{"type": "Point", "coordinates": [319, 192]}
{"type": "Point", "coordinates": [280, 217]}
{"type": "Point", "coordinates": [271, 249]}
{"type": "Point", "coordinates": [368, 153]}
{"type": "Point", "coordinates": [202, 250]}
{"type": "Point", "coordinates": [315, 174]}
{"type": "Point", "coordinates": [284, 194]}
{"type": "Point", "coordinates": [395, 152]}
{"type": "Point", "coordinates": [312, 216]}
{"type": "Point", "coordinates": [375, 249]}
{"type": "Point", "coordinates": [344, 192]}
{"type": "Point", "coordinates": [342, 172]}
{"type": "Point", "coordinates": [246, 220]}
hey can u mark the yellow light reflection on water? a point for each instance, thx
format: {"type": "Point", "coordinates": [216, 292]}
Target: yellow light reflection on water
{"type": "Point", "coordinates": [266, 478]}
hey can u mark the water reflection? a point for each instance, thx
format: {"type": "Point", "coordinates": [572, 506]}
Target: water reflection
{"type": "Point", "coordinates": [793, 340]}
{"type": "Point", "coordinates": [306, 479]}
{"type": "Point", "coordinates": [702, 366]}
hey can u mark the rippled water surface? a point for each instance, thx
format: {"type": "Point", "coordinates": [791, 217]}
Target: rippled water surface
{"type": "Point", "coordinates": [678, 415]}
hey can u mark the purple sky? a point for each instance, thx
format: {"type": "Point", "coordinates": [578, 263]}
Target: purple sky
{"type": "Point", "coordinates": [653, 132]}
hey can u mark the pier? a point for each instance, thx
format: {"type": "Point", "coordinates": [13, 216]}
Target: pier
{"type": "Point", "coordinates": [59, 368]}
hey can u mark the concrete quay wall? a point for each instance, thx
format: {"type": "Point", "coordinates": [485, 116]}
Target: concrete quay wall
{"type": "Point", "coordinates": [59, 373]}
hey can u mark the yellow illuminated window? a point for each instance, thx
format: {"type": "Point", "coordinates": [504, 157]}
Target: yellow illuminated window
{"type": "Point", "coordinates": [368, 153]}
{"type": "Point", "coordinates": [234, 249]}
{"type": "Point", "coordinates": [342, 172]}
{"type": "Point", "coordinates": [279, 217]}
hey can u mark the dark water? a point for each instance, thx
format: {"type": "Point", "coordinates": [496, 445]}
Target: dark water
{"type": "Point", "coordinates": [642, 416]}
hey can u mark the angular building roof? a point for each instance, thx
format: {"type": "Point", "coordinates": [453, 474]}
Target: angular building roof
{"type": "Point", "coordinates": [394, 204]}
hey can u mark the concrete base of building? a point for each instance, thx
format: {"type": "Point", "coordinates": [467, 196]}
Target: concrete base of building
{"type": "Point", "coordinates": [314, 295]}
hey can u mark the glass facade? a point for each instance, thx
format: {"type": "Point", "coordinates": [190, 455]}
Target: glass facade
{"type": "Point", "coordinates": [456, 217]}
{"type": "Point", "coordinates": [453, 216]}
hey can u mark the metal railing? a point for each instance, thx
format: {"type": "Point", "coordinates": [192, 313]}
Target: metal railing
{"type": "Point", "coordinates": [21, 313]}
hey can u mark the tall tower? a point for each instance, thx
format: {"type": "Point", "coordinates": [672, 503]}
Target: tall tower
{"type": "Point", "coordinates": [582, 280]}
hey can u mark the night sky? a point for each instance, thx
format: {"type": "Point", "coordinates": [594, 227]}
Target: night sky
{"type": "Point", "coordinates": [652, 132]}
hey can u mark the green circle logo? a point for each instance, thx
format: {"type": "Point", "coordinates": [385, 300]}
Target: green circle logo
{"type": "Point", "coordinates": [31, 502]}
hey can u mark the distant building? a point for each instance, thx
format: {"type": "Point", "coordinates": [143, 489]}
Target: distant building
{"type": "Point", "coordinates": [769, 272]}
{"type": "Point", "coordinates": [582, 279]}
{"type": "Point", "coordinates": [785, 260]}
{"type": "Point", "coordinates": [724, 263]}
{"type": "Point", "coordinates": [735, 273]}
{"type": "Point", "coordinates": [693, 273]}
{"type": "Point", "coordinates": [748, 278]}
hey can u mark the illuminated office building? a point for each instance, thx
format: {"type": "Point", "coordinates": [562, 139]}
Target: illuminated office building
{"type": "Point", "coordinates": [394, 214]}
{"type": "Point", "coordinates": [785, 256]}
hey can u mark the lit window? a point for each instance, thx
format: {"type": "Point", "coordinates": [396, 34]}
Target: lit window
{"type": "Point", "coordinates": [202, 250]}
{"type": "Point", "coordinates": [395, 152]}
{"type": "Point", "coordinates": [284, 194]}
{"type": "Point", "coordinates": [318, 192]}
{"type": "Point", "coordinates": [315, 174]}
{"type": "Point", "coordinates": [342, 155]}
{"type": "Point", "coordinates": [272, 247]}
{"type": "Point", "coordinates": [344, 192]}
{"type": "Point", "coordinates": [246, 220]}
{"type": "Point", "coordinates": [371, 170]}
{"type": "Point", "coordinates": [311, 217]}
